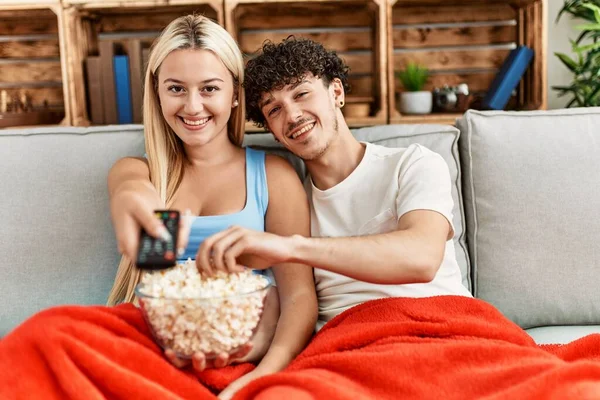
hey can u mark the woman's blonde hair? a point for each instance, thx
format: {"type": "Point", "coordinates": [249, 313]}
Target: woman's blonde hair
{"type": "Point", "coordinates": [164, 150]}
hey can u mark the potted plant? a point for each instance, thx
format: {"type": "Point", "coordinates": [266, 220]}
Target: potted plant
{"type": "Point", "coordinates": [585, 66]}
{"type": "Point", "coordinates": [414, 100]}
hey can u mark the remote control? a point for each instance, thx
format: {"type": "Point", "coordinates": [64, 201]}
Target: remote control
{"type": "Point", "coordinates": [155, 253]}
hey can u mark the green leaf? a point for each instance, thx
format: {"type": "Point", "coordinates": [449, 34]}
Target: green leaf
{"type": "Point", "coordinates": [595, 9]}
{"type": "Point", "coordinates": [568, 61]}
{"type": "Point", "coordinates": [570, 104]}
{"type": "Point", "coordinates": [590, 99]}
{"type": "Point", "coordinates": [587, 47]}
{"type": "Point", "coordinates": [413, 77]}
{"type": "Point", "coordinates": [564, 88]}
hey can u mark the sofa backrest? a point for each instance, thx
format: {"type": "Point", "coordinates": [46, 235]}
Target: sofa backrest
{"type": "Point", "coordinates": [57, 240]}
{"type": "Point", "coordinates": [532, 194]}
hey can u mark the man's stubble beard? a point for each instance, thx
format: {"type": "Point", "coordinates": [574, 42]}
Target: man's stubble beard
{"type": "Point", "coordinates": [319, 153]}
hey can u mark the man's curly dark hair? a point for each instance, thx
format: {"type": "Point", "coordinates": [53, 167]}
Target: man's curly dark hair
{"type": "Point", "coordinates": [286, 63]}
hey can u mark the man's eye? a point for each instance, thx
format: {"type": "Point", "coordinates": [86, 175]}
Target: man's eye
{"type": "Point", "coordinates": [273, 111]}
{"type": "Point", "coordinates": [301, 94]}
{"type": "Point", "coordinates": [175, 89]}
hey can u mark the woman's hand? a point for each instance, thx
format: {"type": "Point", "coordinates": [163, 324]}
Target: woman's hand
{"type": "Point", "coordinates": [200, 362]}
{"type": "Point", "coordinates": [132, 208]}
{"type": "Point", "coordinates": [251, 352]}
{"type": "Point", "coordinates": [239, 383]}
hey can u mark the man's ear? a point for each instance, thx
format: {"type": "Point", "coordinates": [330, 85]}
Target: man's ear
{"type": "Point", "coordinates": [338, 92]}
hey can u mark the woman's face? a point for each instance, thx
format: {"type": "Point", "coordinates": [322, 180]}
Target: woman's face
{"type": "Point", "coordinates": [196, 95]}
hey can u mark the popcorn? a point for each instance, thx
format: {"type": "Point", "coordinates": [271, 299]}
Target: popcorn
{"type": "Point", "coordinates": [191, 313]}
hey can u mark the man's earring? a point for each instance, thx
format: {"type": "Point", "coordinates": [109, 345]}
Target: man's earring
{"type": "Point", "coordinates": [235, 104]}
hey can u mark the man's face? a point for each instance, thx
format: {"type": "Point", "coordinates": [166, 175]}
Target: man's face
{"type": "Point", "coordinates": [303, 117]}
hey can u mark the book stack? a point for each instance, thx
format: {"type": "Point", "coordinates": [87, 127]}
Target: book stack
{"type": "Point", "coordinates": [115, 81]}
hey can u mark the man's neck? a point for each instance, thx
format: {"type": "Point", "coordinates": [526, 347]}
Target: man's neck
{"type": "Point", "coordinates": [339, 161]}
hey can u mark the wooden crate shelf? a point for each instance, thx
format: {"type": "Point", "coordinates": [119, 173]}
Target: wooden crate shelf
{"type": "Point", "coordinates": [90, 22]}
{"type": "Point", "coordinates": [465, 42]}
{"type": "Point", "coordinates": [32, 64]}
{"type": "Point", "coordinates": [355, 29]}
{"type": "Point", "coordinates": [459, 40]}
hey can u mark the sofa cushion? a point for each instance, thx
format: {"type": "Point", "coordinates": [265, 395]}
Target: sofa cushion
{"type": "Point", "coordinates": [442, 139]}
{"type": "Point", "coordinates": [561, 334]}
{"type": "Point", "coordinates": [532, 193]}
{"type": "Point", "coordinates": [57, 241]}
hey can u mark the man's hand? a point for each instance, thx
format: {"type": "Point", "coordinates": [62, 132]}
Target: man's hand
{"type": "Point", "coordinates": [235, 248]}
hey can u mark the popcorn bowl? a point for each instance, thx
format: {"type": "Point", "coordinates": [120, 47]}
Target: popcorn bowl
{"type": "Point", "coordinates": [200, 320]}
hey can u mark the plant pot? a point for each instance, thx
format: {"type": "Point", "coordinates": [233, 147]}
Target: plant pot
{"type": "Point", "coordinates": [416, 102]}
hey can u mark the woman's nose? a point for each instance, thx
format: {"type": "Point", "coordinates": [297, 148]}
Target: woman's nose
{"type": "Point", "coordinates": [194, 103]}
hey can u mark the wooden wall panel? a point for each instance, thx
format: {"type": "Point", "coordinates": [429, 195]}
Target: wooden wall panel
{"type": "Point", "coordinates": [48, 71]}
{"type": "Point", "coordinates": [453, 36]}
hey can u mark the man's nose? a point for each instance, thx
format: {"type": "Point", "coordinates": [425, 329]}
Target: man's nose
{"type": "Point", "coordinates": [294, 113]}
{"type": "Point", "coordinates": [194, 104]}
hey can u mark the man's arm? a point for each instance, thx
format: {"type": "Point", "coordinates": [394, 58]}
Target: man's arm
{"type": "Point", "coordinates": [411, 254]}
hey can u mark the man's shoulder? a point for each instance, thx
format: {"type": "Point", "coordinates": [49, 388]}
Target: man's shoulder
{"type": "Point", "coordinates": [411, 152]}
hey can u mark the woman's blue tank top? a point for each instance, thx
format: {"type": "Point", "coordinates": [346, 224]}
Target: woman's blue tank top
{"type": "Point", "coordinates": [252, 216]}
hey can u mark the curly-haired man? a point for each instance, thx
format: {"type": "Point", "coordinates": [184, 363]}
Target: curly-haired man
{"type": "Point", "coordinates": [381, 218]}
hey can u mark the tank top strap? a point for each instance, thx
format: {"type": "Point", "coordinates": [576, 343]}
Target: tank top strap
{"type": "Point", "coordinates": [256, 177]}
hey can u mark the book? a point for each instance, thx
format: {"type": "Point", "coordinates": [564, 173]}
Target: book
{"type": "Point", "coordinates": [106, 50]}
{"type": "Point", "coordinates": [123, 89]}
{"type": "Point", "coordinates": [508, 78]}
{"type": "Point", "coordinates": [136, 68]}
{"type": "Point", "coordinates": [93, 76]}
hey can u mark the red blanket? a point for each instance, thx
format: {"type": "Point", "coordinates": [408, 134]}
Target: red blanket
{"type": "Point", "coordinates": [441, 347]}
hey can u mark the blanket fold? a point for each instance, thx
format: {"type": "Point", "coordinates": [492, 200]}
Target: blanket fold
{"type": "Point", "coordinates": [446, 347]}
{"type": "Point", "coordinates": [97, 353]}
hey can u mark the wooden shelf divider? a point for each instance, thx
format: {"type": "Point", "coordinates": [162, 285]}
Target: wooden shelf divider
{"type": "Point", "coordinates": [355, 29]}
{"type": "Point", "coordinates": [465, 42]}
{"type": "Point", "coordinates": [32, 63]}
{"type": "Point", "coordinates": [90, 20]}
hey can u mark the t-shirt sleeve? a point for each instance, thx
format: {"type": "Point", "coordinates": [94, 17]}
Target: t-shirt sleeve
{"type": "Point", "coordinates": [424, 183]}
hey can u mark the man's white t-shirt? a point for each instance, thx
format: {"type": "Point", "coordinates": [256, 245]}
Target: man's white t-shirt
{"type": "Point", "coordinates": [387, 183]}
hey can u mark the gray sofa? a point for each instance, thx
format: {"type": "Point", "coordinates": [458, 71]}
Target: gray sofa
{"type": "Point", "coordinates": [526, 192]}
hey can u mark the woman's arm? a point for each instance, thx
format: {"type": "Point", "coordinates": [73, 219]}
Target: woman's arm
{"type": "Point", "coordinates": [133, 200]}
{"type": "Point", "coordinates": [288, 214]}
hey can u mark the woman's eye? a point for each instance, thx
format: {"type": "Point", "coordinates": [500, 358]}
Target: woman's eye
{"type": "Point", "coordinates": [211, 89]}
{"type": "Point", "coordinates": [175, 89]}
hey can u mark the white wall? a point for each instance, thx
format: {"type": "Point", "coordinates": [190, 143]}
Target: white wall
{"type": "Point", "coordinates": [558, 40]}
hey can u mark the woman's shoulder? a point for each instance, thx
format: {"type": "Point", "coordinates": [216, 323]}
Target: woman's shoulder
{"type": "Point", "coordinates": [279, 166]}
{"type": "Point", "coordinates": [131, 163]}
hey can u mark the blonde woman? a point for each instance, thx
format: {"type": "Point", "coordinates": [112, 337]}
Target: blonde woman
{"type": "Point", "coordinates": [193, 127]}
